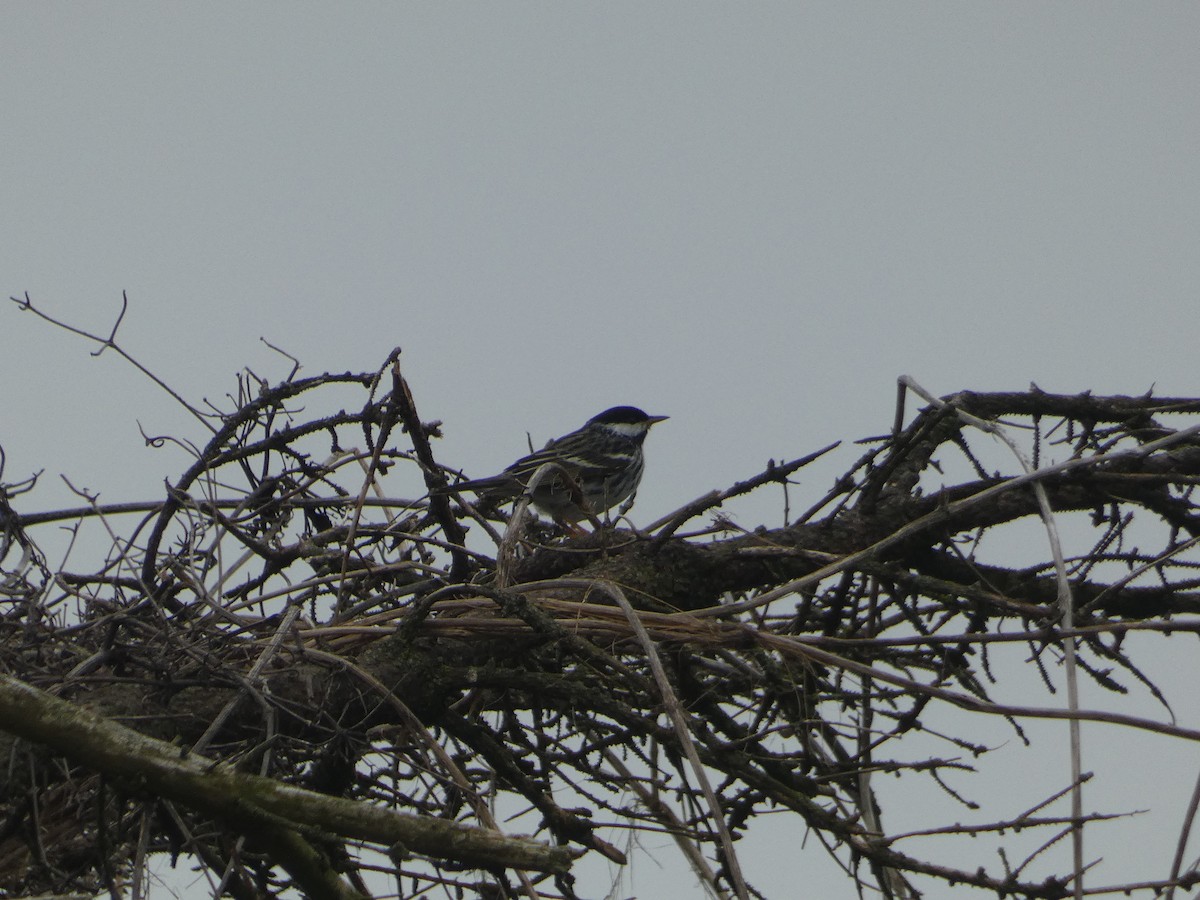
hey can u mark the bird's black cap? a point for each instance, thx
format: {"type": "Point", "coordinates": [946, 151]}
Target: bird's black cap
{"type": "Point", "coordinates": [624, 415]}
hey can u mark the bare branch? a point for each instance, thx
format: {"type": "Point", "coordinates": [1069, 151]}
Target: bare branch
{"type": "Point", "coordinates": [417, 678]}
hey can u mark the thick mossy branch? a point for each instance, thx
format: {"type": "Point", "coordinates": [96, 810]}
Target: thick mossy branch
{"type": "Point", "coordinates": [245, 801]}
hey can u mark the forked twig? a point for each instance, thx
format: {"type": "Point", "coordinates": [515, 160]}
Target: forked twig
{"type": "Point", "coordinates": [24, 303]}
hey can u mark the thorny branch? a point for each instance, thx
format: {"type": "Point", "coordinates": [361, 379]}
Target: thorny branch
{"type": "Point", "coordinates": [697, 685]}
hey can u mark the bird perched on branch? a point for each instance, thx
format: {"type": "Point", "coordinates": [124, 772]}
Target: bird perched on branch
{"type": "Point", "coordinates": [582, 474]}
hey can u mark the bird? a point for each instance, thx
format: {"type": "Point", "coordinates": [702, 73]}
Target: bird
{"type": "Point", "coordinates": [588, 471]}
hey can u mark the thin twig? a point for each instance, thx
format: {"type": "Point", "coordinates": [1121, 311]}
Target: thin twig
{"type": "Point", "coordinates": [682, 728]}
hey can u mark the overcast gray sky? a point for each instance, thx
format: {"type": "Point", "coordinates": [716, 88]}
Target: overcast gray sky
{"type": "Point", "coordinates": [751, 218]}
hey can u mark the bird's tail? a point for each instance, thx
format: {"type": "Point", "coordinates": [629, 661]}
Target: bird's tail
{"type": "Point", "coordinates": [496, 486]}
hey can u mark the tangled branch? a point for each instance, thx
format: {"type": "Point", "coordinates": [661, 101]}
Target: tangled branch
{"type": "Point", "coordinates": [281, 614]}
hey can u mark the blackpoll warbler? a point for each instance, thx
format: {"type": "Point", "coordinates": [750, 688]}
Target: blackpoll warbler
{"type": "Point", "coordinates": [590, 470]}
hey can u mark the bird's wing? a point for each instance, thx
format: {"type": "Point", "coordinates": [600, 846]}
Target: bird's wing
{"type": "Point", "coordinates": [512, 480]}
{"type": "Point", "coordinates": [575, 453]}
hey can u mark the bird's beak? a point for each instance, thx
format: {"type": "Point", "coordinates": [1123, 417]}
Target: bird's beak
{"type": "Point", "coordinates": [654, 420]}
